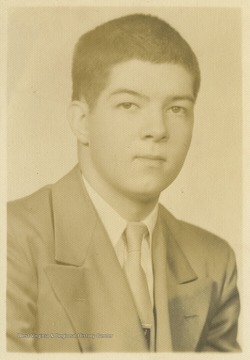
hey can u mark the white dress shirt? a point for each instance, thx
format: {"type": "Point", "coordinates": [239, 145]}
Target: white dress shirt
{"type": "Point", "coordinates": [115, 226]}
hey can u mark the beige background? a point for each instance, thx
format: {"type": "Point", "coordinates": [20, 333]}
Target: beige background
{"type": "Point", "coordinates": [41, 147]}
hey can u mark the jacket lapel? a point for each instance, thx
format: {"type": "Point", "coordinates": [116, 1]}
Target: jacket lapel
{"type": "Point", "coordinates": [189, 297]}
{"type": "Point", "coordinates": [188, 308]}
{"type": "Point", "coordinates": [87, 278]}
{"type": "Point", "coordinates": [89, 283]}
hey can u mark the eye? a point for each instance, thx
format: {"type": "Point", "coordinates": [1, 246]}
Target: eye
{"type": "Point", "coordinates": [128, 106]}
{"type": "Point", "coordinates": [178, 109]}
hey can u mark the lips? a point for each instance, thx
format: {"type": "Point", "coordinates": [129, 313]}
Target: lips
{"type": "Point", "coordinates": [151, 157]}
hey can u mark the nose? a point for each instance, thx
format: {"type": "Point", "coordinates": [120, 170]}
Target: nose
{"type": "Point", "coordinates": [155, 126]}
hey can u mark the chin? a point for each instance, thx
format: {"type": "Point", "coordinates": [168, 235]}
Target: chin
{"type": "Point", "coordinates": [156, 186]}
{"type": "Point", "coordinates": [148, 193]}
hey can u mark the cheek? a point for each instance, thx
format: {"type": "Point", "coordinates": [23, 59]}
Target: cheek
{"type": "Point", "coordinates": [107, 147]}
{"type": "Point", "coordinates": [180, 140]}
{"type": "Point", "coordinates": [187, 141]}
{"type": "Point", "coordinates": [181, 133]}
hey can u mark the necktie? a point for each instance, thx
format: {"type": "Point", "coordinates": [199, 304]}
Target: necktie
{"type": "Point", "coordinates": [137, 279]}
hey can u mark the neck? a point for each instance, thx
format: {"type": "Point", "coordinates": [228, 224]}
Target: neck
{"type": "Point", "coordinates": [130, 208]}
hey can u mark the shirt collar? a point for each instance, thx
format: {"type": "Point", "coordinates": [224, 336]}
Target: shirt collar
{"type": "Point", "coordinates": [112, 221]}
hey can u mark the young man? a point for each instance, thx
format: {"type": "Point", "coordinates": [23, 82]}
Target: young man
{"type": "Point", "coordinates": [95, 263]}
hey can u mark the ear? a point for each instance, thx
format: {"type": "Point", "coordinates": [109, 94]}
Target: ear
{"type": "Point", "coordinates": [78, 116]}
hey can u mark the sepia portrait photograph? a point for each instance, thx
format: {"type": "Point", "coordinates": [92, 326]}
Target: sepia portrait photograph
{"type": "Point", "coordinates": [124, 138]}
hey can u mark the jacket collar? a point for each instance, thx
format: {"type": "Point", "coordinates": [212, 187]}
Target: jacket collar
{"type": "Point", "coordinates": [177, 261]}
{"type": "Point", "coordinates": [75, 220]}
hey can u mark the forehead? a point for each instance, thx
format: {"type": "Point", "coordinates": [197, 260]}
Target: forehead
{"type": "Point", "coordinates": [151, 79]}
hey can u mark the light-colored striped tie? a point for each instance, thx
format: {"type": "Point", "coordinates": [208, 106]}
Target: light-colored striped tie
{"type": "Point", "coordinates": [137, 279]}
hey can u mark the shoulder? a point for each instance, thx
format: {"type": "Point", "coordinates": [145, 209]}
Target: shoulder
{"type": "Point", "coordinates": [201, 247]}
{"type": "Point", "coordinates": [30, 202]}
{"type": "Point", "coordinates": [30, 227]}
{"type": "Point", "coordinates": [31, 220]}
{"type": "Point", "coordinates": [37, 208]}
{"type": "Point", "coordinates": [185, 232]}
{"type": "Point", "coordinates": [36, 205]}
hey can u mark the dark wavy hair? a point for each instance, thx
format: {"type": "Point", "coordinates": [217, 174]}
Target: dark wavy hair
{"type": "Point", "coordinates": [138, 36]}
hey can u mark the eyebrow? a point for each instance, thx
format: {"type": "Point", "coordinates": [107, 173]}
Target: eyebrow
{"type": "Point", "coordinates": [183, 97]}
{"type": "Point", "coordinates": [135, 93]}
{"type": "Point", "coordinates": [130, 92]}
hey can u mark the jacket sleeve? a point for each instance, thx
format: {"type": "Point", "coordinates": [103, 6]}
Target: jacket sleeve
{"type": "Point", "coordinates": [222, 332]}
{"type": "Point", "coordinates": [21, 297]}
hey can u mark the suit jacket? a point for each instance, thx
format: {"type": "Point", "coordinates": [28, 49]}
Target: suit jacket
{"type": "Point", "coordinates": [66, 291]}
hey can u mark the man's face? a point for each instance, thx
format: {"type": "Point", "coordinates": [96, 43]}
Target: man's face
{"type": "Point", "coordinates": [140, 129]}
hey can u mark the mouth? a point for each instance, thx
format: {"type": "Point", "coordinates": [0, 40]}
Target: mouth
{"type": "Point", "coordinates": [151, 157]}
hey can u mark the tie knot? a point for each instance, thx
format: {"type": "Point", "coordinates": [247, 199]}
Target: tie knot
{"type": "Point", "coordinates": [134, 234]}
